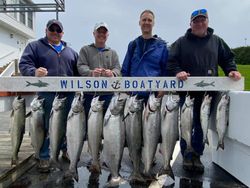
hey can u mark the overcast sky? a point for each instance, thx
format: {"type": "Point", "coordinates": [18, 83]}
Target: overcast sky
{"type": "Point", "coordinates": [230, 19]}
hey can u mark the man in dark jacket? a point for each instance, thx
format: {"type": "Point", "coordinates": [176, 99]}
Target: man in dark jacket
{"type": "Point", "coordinates": [49, 56]}
{"type": "Point", "coordinates": [146, 55]}
{"type": "Point", "coordinates": [199, 53]}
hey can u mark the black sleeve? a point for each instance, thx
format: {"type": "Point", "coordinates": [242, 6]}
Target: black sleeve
{"type": "Point", "coordinates": [173, 65]}
{"type": "Point", "coordinates": [226, 58]}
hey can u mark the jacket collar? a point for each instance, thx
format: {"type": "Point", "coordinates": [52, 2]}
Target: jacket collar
{"type": "Point", "coordinates": [190, 35]}
{"type": "Point", "coordinates": [106, 48]}
{"type": "Point", "coordinates": [45, 41]}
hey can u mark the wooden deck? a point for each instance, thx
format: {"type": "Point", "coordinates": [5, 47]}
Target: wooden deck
{"type": "Point", "coordinates": [8, 173]}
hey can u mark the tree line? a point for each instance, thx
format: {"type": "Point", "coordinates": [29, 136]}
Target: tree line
{"type": "Point", "coordinates": [242, 55]}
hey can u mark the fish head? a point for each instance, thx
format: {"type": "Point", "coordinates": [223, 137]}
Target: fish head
{"type": "Point", "coordinates": [225, 100]}
{"type": "Point", "coordinates": [96, 104]}
{"type": "Point", "coordinates": [37, 103]}
{"type": "Point", "coordinates": [135, 104]}
{"type": "Point", "coordinates": [154, 103]}
{"type": "Point", "coordinates": [189, 101]}
{"type": "Point", "coordinates": [207, 99]}
{"type": "Point", "coordinates": [18, 102]}
{"type": "Point", "coordinates": [77, 103]}
{"type": "Point", "coordinates": [172, 104]}
{"type": "Point", "coordinates": [59, 103]}
{"type": "Point", "coordinates": [116, 105]}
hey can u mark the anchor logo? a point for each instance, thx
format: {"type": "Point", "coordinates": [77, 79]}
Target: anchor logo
{"type": "Point", "coordinates": [116, 84]}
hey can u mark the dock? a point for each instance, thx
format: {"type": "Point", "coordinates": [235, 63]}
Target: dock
{"type": "Point", "coordinates": [8, 173]}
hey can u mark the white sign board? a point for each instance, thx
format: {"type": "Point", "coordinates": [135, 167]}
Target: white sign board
{"type": "Point", "coordinates": [118, 84]}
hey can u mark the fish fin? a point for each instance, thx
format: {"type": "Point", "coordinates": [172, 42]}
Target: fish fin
{"type": "Point", "coordinates": [136, 177]}
{"type": "Point", "coordinates": [206, 141]}
{"type": "Point", "coordinates": [165, 113]}
{"type": "Point", "coordinates": [89, 148]}
{"type": "Point", "coordinates": [28, 114]}
{"type": "Point", "coordinates": [70, 116]}
{"type": "Point", "coordinates": [12, 113]}
{"type": "Point", "coordinates": [168, 171]}
{"type": "Point", "coordinates": [125, 116]}
{"type": "Point", "coordinates": [75, 175]}
{"type": "Point", "coordinates": [51, 113]}
{"type": "Point", "coordinates": [90, 112]}
{"type": "Point", "coordinates": [106, 120]}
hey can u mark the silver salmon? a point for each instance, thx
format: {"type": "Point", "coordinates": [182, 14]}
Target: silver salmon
{"type": "Point", "coordinates": [17, 126]}
{"type": "Point", "coordinates": [222, 115]}
{"type": "Point", "coordinates": [204, 116]}
{"type": "Point", "coordinates": [169, 132]}
{"type": "Point", "coordinates": [76, 132]}
{"type": "Point", "coordinates": [95, 129]}
{"type": "Point", "coordinates": [57, 127]}
{"type": "Point", "coordinates": [133, 123]}
{"type": "Point", "coordinates": [114, 138]}
{"type": "Point", "coordinates": [187, 121]}
{"type": "Point", "coordinates": [37, 122]}
{"type": "Point", "coordinates": [151, 131]}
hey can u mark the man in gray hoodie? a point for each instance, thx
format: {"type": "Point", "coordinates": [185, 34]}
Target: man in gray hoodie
{"type": "Point", "coordinates": [97, 60]}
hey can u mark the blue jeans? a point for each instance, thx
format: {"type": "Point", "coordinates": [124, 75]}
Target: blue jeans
{"type": "Point", "coordinates": [197, 134]}
{"type": "Point", "coordinates": [49, 98]}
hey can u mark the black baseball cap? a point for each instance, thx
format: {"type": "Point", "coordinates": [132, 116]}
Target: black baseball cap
{"type": "Point", "coordinates": [56, 22]}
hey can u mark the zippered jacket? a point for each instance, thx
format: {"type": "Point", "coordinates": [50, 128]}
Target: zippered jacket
{"type": "Point", "coordinates": [200, 56]}
{"type": "Point", "coordinates": [41, 54]}
{"type": "Point", "coordinates": [90, 58]}
{"type": "Point", "coordinates": [146, 59]}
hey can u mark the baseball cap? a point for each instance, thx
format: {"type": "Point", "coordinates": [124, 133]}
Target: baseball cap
{"type": "Point", "coordinates": [199, 12]}
{"type": "Point", "coordinates": [56, 22]}
{"type": "Point", "coordinates": [101, 24]}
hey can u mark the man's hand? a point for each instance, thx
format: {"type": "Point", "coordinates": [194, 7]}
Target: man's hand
{"type": "Point", "coordinates": [235, 75]}
{"type": "Point", "coordinates": [160, 94]}
{"type": "Point", "coordinates": [41, 71]}
{"type": "Point", "coordinates": [108, 73]}
{"type": "Point", "coordinates": [97, 72]}
{"type": "Point", "coordinates": [182, 75]}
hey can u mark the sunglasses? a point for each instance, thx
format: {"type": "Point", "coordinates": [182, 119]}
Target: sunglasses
{"type": "Point", "coordinates": [197, 12]}
{"type": "Point", "coordinates": [52, 29]}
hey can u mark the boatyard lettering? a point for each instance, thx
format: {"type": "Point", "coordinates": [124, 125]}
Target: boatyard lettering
{"type": "Point", "coordinates": [125, 84]}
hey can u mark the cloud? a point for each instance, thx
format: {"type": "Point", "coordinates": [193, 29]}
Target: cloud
{"type": "Point", "coordinates": [229, 19]}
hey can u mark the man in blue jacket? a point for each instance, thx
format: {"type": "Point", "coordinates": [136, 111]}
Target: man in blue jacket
{"type": "Point", "coordinates": [146, 55]}
{"type": "Point", "coordinates": [49, 56]}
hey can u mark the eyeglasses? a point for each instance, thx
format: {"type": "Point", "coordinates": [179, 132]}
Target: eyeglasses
{"type": "Point", "coordinates": [201, 12]}
{"type": "Point", "coordinates": [53, 29]}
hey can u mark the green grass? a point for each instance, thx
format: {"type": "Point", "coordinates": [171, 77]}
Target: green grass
{"type": "Point", "coordinates": [245, 72]}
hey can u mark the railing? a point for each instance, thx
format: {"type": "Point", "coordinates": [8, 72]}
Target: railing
{"type": "Point", "coordinates": [11, 69]}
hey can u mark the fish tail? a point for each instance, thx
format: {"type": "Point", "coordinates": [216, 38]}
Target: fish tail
{"type": "Point", "coordinates": [95, 168]}
{"type": "Point", "coordinates": [28, 83]}
{"type": "Point", "coordinates": [168, 171]}
{"type": "Point", "coordinates": [206, 141]}
{"type": "Point", "coordinates": [220, 145]}
{"type": "Point", "coordinates": [212, 83]}
{"type": "Point", "coordinates": [75, 175]}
